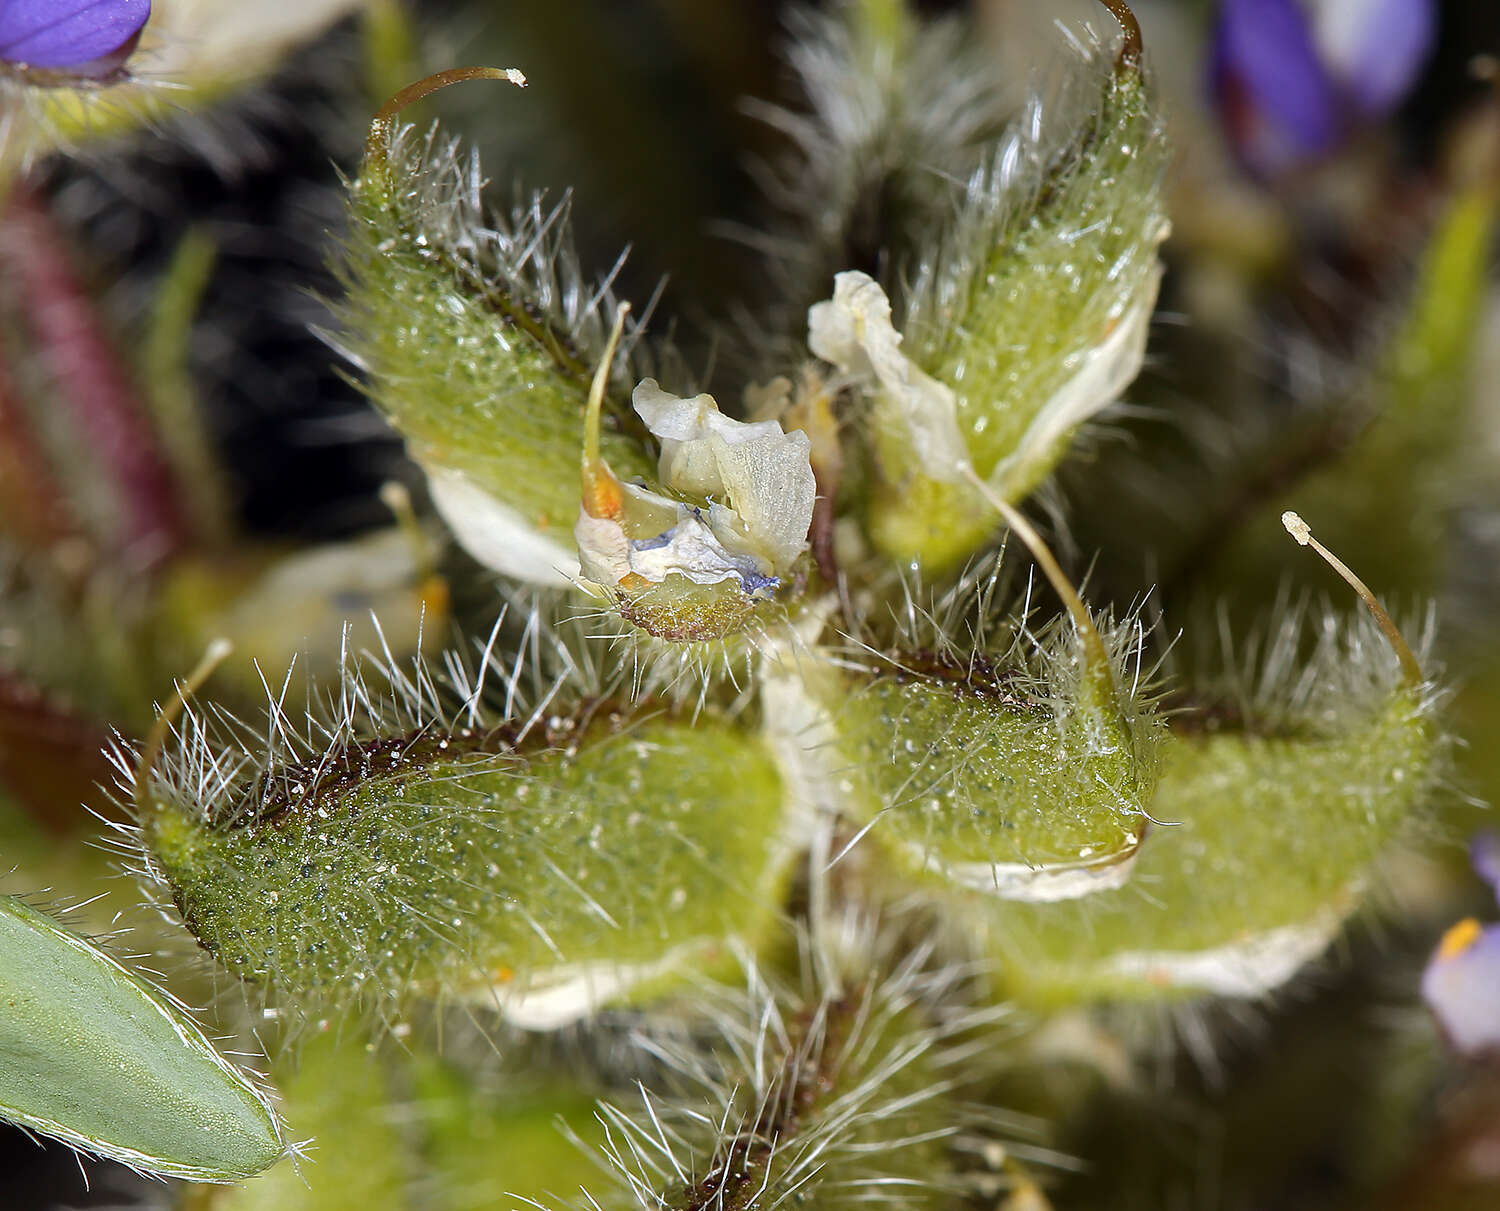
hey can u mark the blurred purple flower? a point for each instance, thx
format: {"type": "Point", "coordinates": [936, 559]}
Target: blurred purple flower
{"type": "Point", "coordinates": [81, 38]}
{"type": "Point", "coordinates": [1462, 982]}
{"type": "Point", "coordinates": [1293, 77]}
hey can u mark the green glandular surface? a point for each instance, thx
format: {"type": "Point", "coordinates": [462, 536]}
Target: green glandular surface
{"type": "Point", "coordinates": [1059, 279]}
{"type": "Point", "coordinates": [963, 778]}
{"type": "Point", "coordinates": [1037, 284]}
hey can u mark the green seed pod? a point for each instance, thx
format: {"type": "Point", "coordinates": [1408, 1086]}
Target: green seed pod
{"type": "Point", "coordinates": [1006, 773]}
{"type": "Point", "coordinates": [1028, 317]}
{"type": "Point", "coordinates": [546, 873]}
{"type": "Point", "coordinates": [477, 336]}
{"type": "Point", "coordinates": [96, 1057]}
{"type": "Point", "coordinates": [1272, 848]}
{"type": "Point", "coordinates": [1022, 766]}
{"type": "Point", "coordinates": [1279, 815]}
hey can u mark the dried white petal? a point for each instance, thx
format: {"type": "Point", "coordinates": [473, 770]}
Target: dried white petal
{"type": "Point", "coordinates": [1103, 374]}
{"type": "Point", "coordinates": [496, 535]}
{"type": "Point", "coordinates": [765, 474]}
{"type": "Point", "coordinates": [770, 481]}
{"type": "Point", "coordinates": [853, 331]}
{"type": "Point", "coordinates": [684, 427]}
{"type": "Point", "coordinates": [1249, 967]}
{"type": "Point", "coordinates": [603, 549]}
{"type": "Point", "coordinates": [570, 993]}
{"type": "Point", "coordinates": [690, 548]}
{"type": "Point", "coordinates": [768, 401]}
{"type": "Point", "coordinates": [1041, 884]}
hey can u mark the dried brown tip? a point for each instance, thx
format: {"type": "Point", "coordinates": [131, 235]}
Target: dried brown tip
{"type": "Point", "coordinates": [1132, 47]}
{"type": "Point", "coordinates": [385, 116]}
{"type": "Point", "coordinates": [1302, 532]}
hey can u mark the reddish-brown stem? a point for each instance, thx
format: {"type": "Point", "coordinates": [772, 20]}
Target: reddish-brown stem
{"type": "Point", "coordinates": [32, 508]}
{"type": "Point", "coordinates": [93, 385]}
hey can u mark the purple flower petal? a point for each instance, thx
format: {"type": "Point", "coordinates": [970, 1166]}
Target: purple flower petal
{"type": "Point", "coordinates": [1462, 986]}
{"type": "Point", "coordinates": [64, 34]}
{"type": "Point", "coordinates": [1276, 98]}
{"type": "Point", "coordinates": [1375, 48]}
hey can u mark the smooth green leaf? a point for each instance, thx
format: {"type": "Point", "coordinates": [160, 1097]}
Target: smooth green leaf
{"type": "Point", "coordinates": [94, 1056]}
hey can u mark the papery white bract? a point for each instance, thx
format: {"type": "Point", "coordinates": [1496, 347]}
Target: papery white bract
{"type": "Point", "coordinates": [853, 331]}
{"type": "Point", "coordinates": [497, 535]}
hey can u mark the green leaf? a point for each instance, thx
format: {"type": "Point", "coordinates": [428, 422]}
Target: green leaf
{"type": "Point", "coordinates": [94, 1056]}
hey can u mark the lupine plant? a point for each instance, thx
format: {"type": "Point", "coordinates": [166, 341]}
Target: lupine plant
{"type": "Point", "coordinates": [979, 698]}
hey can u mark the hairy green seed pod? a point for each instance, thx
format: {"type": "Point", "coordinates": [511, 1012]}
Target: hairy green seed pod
{"type": "Point", "coordinates": [95, 1057]}
{"type": "Point", "coordinates": [477, 336]}
{"type": "Point", "coordinates": [463, 865]}
{"type": "Point", "coordinates": [1032, 314]}
{"type": "Point", "coordinates": [1022, 780]}
{"type": "Point", "coordinates": [1022, 766]}
{"type": "Point", "coordinates": [1274, 828]}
